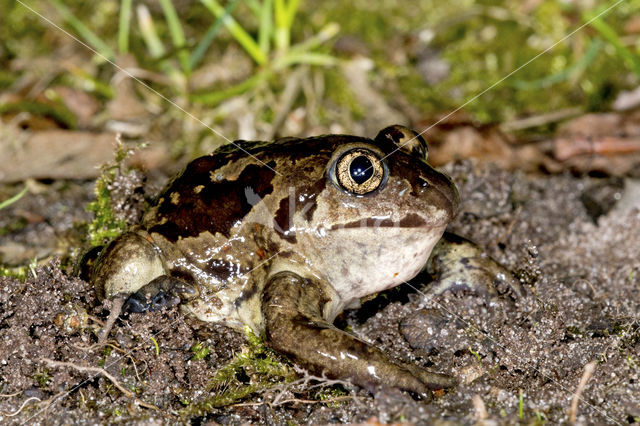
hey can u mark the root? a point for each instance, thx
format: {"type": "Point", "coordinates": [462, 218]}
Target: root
{"type": "Point", "coordinates": [588, 372]}
{"type": "Point", "coordinates": [104, 373]}
{"type": "Point", "coordinates": [15, 413]}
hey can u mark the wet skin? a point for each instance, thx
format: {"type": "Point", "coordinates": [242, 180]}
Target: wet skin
{"type": "Point", "coordinates": [286, 238]}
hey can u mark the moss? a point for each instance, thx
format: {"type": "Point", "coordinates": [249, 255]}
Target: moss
{"type": "Point", "coordinates": [330, 394]}
{"type": "Point", "coordinates": [105, 225]}
{"type": "Point", "coordinates": [200, 351]}
{"type": "Point", "coordinates": [19, 273]}
{"type": "Point", "coordinates": [255, 369]}
{"type": "Point", "coordinates": [42, 378]}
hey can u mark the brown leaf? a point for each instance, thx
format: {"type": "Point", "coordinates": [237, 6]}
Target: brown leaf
{"type": "Point", "coordinates": [54, 154]}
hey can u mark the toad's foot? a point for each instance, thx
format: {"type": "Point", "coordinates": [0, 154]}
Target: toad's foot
{"type": "Point", "coordinates": [162, 292]}
{"type": "Point", "coordinates": [459, 264]}
{"type": "Point", "coordinates": [295, 326]}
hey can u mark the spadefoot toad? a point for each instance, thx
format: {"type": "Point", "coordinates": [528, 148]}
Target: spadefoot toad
{"type": "Point", "coordinates": [283, 236]}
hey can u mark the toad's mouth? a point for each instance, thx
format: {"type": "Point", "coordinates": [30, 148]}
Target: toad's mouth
{"type": "Point", "coordinates": [411, 220]}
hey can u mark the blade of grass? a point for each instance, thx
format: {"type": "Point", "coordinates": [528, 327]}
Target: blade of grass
{"type": "Point", "coordinates": [124, 26]}
{"type": "Point", "coordinates": [285, 13]}
{"type": "Point", "coordinates": [292, 9]}
{"type": "Point", "coordinates": [89, 83]}
{"type": "Point", "coordinates": [156, 48]}
{"type": "Point", "coordinates": [610, 35]}
{"type": "Point", "coordinates": [13, 199]}
{"type": "Point", "coordinates": [326, 33]}
{"type": "Point", "coordinates": [148, 30]}
{"type": "Point", "coordinates": [84, 32]}
{"type": "Point", "coordinates": [177, 35]}
{"type": "Point", "coordinates": [206, 41]}
{"type": "Point", "coordinates": [591, 53]}
{"type": "Point", "coordinates": [310, 58]}
{"type": "Point", "coordinates": [281, 34]}
{"type": "Point", "coordinates": [265, 31]}
{"type": "Point", "coordinates": [215, 97]}
{"type": "Point", "coordinates": [241, 36]}
{"type": "Point", "coordinates": [255, 7]}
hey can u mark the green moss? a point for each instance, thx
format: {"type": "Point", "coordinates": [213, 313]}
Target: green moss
{"type": "Point", "coordinates": [105, 225]}
{"type": "Point", "coordinates": [255, 369]}
{"type": "Point", "coordinates": [200, 351]}
{"type": "Point", "coordinates": [330, 393]}
{"type": "Point", "coordinates": [19, 273]}
{"type": "Point", "coordinates": [42, 378]}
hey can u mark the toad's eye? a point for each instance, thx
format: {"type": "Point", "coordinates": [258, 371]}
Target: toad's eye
{"type": "Point", "coordinates": [360, 171]}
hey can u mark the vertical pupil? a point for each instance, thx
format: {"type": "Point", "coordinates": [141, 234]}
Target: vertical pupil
{"type": "Point", "coordinates": [361, 169]}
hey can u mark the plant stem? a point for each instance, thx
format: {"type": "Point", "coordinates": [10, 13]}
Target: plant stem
{"type": "Point", "coordinates": [123, 26]}
{"type": "Point", "coordinates": [241, 36]}
{"type": "Point", "coordinates": [177, 35]}
{"type": "Point", "coordinates": [215, 97]}
{"type": "Point", "coordinates": [265, 31]}
{"type": "Point", "coordinates": [149, 34]}
{"type": "Point", "coordinates": [206, 41]}
{"type": "Point", "coordinates": [84, 31]}
{"type": "Point", "coordinates": [612, 37]}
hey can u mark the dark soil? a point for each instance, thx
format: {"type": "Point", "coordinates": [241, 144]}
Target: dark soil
{"type": "Point", "coordinates": [573, 242]}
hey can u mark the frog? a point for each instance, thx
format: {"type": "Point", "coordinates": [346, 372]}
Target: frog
{"type": "Point", "coordinates": [283, 236]}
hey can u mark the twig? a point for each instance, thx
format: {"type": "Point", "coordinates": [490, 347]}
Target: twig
{"type": "Point", "coordinates": [588, 372]}
{"type": "Point", "coordinates": [106, 374]}
{"type": "Point", "coordinates": [118, 349]}
{"type": "Point", "coordinates": [15, 413]}
{"type": "Point", "coordinates": [540, 120]}
{"type": "Point", "coordinates": [300, 401]}
{"type": "Point", "coordinates": [566, 148]}
{"type": "Point", "coordinates": [10, 395]}
{"type": "Point", "coordinates": [96, 320]}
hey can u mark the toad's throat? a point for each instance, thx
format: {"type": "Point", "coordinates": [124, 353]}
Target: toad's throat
{"type": "Point", "coordinates": [411, 220]}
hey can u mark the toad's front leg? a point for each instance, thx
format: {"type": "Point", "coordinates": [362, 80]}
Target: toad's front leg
{"type": "Point", "coordinates": [295, 326]}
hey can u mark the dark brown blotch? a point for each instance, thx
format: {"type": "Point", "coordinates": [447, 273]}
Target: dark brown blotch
{"type": "Point", "coordinates": [218, 206]}
{"type": "Point", "coordinates": [282, 221]}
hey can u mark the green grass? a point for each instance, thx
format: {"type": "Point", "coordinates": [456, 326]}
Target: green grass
{"type": "Point", "coordinates": [6, 203]}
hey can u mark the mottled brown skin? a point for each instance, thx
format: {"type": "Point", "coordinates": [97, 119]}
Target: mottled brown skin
{"type": "Point", "coordinates": [266, 235]}
{"type": "Point", "coordinates": [292, 308]}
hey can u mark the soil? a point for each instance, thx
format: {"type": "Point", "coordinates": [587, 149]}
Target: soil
{"type": "Point", "coordinates": [572, 241]}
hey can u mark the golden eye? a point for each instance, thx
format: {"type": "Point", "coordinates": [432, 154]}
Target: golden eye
{"type": "Point", "coordinates": [360, 171]}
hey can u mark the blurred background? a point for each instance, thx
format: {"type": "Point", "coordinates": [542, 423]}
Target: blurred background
{"type": "Point", "coordinates": [542, 86]}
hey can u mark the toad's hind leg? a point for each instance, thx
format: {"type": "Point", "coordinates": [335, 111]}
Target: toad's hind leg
{"type": "Point", "coordinates": [127, 264]}
{"type": "Point", "coordinates": [459, 264]}
{"type": "Point", "coordinates": [293, 311]}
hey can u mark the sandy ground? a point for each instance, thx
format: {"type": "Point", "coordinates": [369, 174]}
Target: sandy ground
{"type": "Point", "coordinates": [573, 242]}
